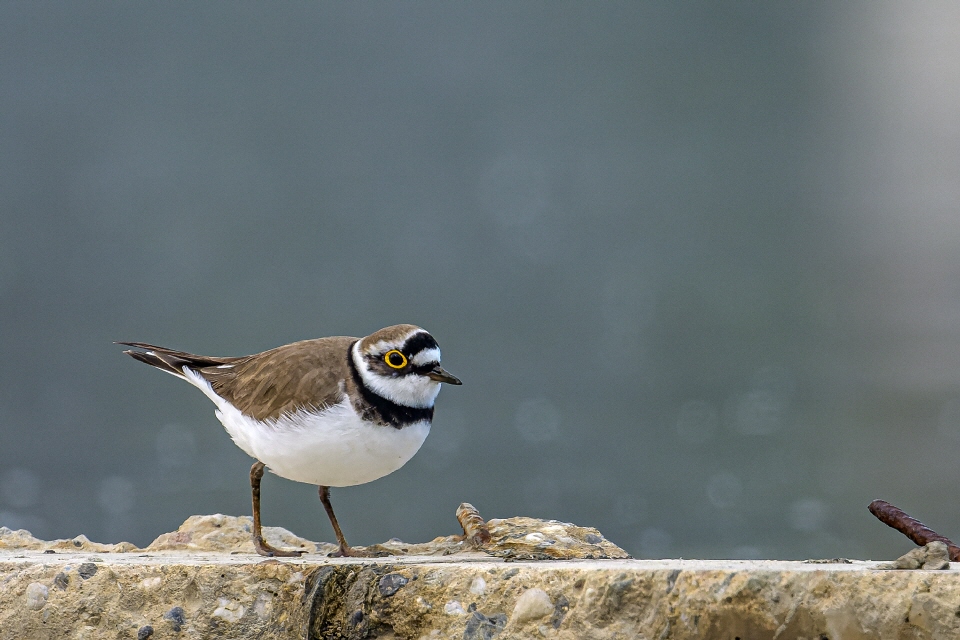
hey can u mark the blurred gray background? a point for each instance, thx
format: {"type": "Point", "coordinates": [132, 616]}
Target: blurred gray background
{"type": "Point", "coordinates": [697, 264]}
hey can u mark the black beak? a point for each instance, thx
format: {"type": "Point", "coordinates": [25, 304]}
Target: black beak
{"type": "Point", "coordinates": [438, 374]}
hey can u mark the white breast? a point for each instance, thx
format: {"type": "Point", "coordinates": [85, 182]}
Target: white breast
{"type": "Point", "coordinates": [331, 447]}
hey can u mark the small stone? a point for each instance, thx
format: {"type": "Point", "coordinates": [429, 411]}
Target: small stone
{"type": "Point", "coordinates": [619, 587]}
{"type": "Point", "coordinates": [87, 570]}
{"type": "Point", "coordinates": [36, 595]}
{"type": "Point", "coordinates": [263, 605]}
{"type": "Point", "coordinates": [151, 583]}
{"type": "Point", "coordinates": [931, 557]}
{"type": "Point", "coordinates": [175, 616]}
{"type": "Point", "coordinates": [81, 541]}
{"type": "Point", "coordinates": [828, 561]}
{"type": "Point", "coordinates": [480, 627]}
{"type": "Point", "coordinates": [531, 539]}
{"type": "Point", "coordinates": [391, 583]}
{"type": "Point", "coordinates": [61, 581]}
{"type": "Point", "coordinates": [49, 551]}
{"type": "Point", "coordinates": [423, 605]}
{"type": "Point", "coordinates": [532, 605]}
{"type": "Point", "coordinates": [228, 610]}
{"type": "Point", "coordinates": [19, 539]}
{"type": "Point", "coordinates": [218, 532]}
{"type": "Point", "coordinates": [144, 632]}
{"type": "Point", "coordinates": [454, 608]}
{"type": "Point", "coordinates": [478, 586]}
{"type": "Point", "coordinates": [559, 611]}
{"type": "Point", "coordinates": [938, 557]}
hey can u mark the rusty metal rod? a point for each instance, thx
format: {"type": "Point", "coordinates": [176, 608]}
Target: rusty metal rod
{"type": "Point", "coordinates": [911, 527]}
{"type": "Point", "coordinates": [474, 528]}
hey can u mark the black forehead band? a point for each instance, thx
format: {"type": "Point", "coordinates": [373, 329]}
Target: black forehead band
{"type": "Point", "coordinates": [418, 342]}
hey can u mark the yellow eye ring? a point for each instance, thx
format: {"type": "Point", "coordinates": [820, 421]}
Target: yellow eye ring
{"type": "Point", "coordinates": [395, 359]}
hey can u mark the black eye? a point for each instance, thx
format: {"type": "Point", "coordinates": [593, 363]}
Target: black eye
{"type": "Point", "coordinates": [395, 359]}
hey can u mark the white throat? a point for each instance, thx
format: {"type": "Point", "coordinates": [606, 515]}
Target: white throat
{"type": "Point", "coordinates": [409, 391]}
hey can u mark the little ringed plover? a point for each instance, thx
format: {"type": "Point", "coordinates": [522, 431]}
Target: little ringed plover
{"type": "Point", "coordinates": [333, 412]}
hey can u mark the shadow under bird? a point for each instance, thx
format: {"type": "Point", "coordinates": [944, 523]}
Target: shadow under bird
{"type": "Point", "coordinates": [333, 412]}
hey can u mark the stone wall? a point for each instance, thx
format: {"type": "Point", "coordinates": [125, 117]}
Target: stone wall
{"type": "Point", "coordinates": [77, 589]}
{"type": "Point", "coordinates": [196, 595]}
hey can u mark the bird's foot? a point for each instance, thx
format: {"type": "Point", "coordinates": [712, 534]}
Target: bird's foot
{"type": "Point", "coordinates": [265, 549]}
{"type": "Point", "coordinates": [349, 552]}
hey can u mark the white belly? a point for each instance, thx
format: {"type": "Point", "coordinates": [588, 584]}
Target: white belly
{"type": "Point", "coordinates": [332, 447]}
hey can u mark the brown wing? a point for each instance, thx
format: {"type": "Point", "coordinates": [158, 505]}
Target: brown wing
{"type": "Point", "coordinates": [302, 375]}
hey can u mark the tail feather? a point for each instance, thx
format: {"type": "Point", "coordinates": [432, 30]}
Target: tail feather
{"type": "Point", "coordinates": [170, 360]}
{"type": "Point", "coordinates": [164, 363]}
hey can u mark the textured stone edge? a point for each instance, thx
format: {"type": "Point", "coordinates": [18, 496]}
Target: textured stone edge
{"type": "Point", "coordinates": [189, 595]}
{"type": "Point", "coordinates": [679, 600]}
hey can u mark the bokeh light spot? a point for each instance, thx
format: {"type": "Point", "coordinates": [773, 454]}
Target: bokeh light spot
{"type": "Point", "coordinates": [655, 543]}
{"type": "Point", "coordinates": [20, 487]}
{"type": "Point", "coordinates": [724, 490]}
{"type": "Point", "coordinates": [808, 515]}
{"type": "Point", "coordinates": [117, 495]}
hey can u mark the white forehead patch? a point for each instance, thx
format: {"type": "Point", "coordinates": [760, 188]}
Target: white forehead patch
{"type": "Point", "coordinates": [426, 356]}
{"type": "Point", "coordinates": [385, 345]}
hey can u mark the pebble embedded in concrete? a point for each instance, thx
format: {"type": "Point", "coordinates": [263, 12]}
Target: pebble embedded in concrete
{"type": "Point", "coordinates": [61, 581]}
{"type": "Point", "coordinates": [532, 605]}
{"type": "Point", "coordinates": [176, 618]}
{"type": "Point", "coordinates": [151, 584]}
{"type": "Point", "coordinates": [391, 583]}
{"type": "Point", "coordinates": [454, 608]}
{"type": "Point", "coordinates": [482, 627]}
{"type": "Point", "coordinates": [263, 605]}
{"type": "Point", "coordinates": [228, 610]}
{"type": "Point", "coordinates": [478, 586]}
{"type": "Point", "coordinates": [36, 596]}
{"type": "Point", "coordinates": [87, 570]}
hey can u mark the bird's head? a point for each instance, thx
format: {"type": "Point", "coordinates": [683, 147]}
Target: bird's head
{"type": "Point", "coordinates": [402, 364]}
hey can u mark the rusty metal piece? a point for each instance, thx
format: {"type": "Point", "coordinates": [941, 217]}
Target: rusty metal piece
{"type": "Point", "coordinates": [911, 527]}
{"type": "Point", "coordinates": [474, 528]}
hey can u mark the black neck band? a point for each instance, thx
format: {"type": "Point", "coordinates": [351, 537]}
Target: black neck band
{"type": "Point", "coordinates": [381, 410]}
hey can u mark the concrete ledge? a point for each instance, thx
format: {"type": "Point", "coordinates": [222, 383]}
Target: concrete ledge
{"type": "Point", "coordinates": [469, 595]}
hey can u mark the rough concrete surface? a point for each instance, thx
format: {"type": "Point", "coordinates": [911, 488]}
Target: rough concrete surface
{"type": "Point", "coordinates": [514, 538]}
{"type": "Point", "coordinates": [78, 592]}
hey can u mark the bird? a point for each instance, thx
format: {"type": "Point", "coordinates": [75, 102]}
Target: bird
{"type": "Point", "coordinates": [332, 412]}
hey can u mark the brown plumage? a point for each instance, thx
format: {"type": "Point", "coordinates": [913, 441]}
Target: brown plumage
{"type": "Point", "coordinates": [266, 385]}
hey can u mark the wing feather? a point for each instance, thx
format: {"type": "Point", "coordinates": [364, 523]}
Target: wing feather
{"type": "Point", "coordinates": [304, 375]}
